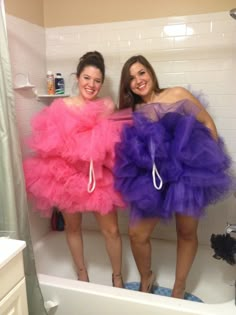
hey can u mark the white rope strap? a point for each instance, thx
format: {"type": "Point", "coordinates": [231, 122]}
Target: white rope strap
{"type": "Point", "coordinates": [154, 174]}
{"type": "Point", "coordinates": [92, 180]}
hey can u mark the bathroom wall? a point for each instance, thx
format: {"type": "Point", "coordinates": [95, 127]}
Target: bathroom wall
{"type": "Point", "coordinates": [196, 51]}
{"type": "Point", "coordinates": [74, 12]}
{"type": "Point", "coordinates": [28, 10]}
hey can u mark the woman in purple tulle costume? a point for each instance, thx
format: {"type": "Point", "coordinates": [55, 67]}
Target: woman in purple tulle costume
{"type": "Point", "coordinates": [73, 144]}
{"type": "Point", "coordinates": [170, 162]}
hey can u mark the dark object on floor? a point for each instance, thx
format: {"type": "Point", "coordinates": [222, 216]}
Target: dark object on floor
{"type": "Point", "coordinates": [224, 247]}
{"type": "Point", "coordinates": [57, 221]}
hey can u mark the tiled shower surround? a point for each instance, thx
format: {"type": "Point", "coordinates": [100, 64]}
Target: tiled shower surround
{"type": "Point", "coordinates": [197, 52]}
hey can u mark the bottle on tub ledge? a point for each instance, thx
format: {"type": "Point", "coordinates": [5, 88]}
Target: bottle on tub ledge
{"type": "Point", "coordinates": [50, 83]}
{"type": "Point", "coordinates": [59, 84]}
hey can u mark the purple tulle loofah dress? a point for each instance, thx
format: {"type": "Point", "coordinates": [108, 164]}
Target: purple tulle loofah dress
{"type": "Point", "coordinates": [167, 162]}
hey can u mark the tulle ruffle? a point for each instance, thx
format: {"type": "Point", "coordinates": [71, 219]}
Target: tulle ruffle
{"type": "Point", "coordinates": [193, 167]}
{"type": "Point", "coordinates": [54, 182]}
{"type": "Point", "coordinates": [70, 132]}
{"type": "Point", "coordinates": [67, 142]}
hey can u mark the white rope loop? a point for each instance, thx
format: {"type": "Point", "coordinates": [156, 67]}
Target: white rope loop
{"type": "Point", "coordinates": [92, 180]}
{"type": "Point", "coordinates": [154, 174]}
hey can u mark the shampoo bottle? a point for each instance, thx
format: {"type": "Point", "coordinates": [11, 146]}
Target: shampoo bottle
{"type": "Point", "coordinates": [59, 84]}
{"type": "Point", "coordinates": [50, 83]}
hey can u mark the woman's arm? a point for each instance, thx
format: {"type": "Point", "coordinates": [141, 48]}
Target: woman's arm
{"type": "Point", "coordinates": [109, 104]}
{"type": "Point", "coordinates": [203, 116]}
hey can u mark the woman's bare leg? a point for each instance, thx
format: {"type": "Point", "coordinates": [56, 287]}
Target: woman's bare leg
{"type": "Point", "coordinates": [75, 242]}
{"type": "Point", "coordinates": [187, 244]}
{"type": "Point", "coordinates": [140, 234]}
{"type": "Point", "coordinates": [109, 227]}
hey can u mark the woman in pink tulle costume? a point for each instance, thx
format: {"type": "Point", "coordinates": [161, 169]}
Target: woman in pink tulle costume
{"type": "Point", "coordinates": [170, 163]}
{"type": "Point", "coordinates": [73, 141]}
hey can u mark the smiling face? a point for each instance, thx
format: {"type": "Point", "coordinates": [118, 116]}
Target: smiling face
{"type": "Point", "coordinates": [141, 82]}
{"type": "Point", "coordinates": [90, 82]}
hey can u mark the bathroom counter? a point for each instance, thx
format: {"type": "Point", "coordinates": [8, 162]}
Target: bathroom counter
{"type": "Point", "coordinates": [9, 248]}
{"type": "Point", "coordinates": [13, 299]}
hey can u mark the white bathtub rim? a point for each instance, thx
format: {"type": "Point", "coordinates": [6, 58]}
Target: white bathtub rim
{"type": "Point", "coordinates": [138, 297]}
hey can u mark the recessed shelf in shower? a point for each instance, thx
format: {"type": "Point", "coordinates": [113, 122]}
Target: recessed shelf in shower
{"type": "Point", "coordinates": [22, 82]}
{"type": "Point", "coordinates": [50, 96]}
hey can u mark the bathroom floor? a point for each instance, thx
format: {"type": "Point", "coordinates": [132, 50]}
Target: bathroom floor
{"type": "Point", "coordinates": [207, 273]}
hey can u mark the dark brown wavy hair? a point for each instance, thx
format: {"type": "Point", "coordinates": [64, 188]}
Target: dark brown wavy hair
{"type": "Point", "coordinates": [91, 58]}
{"type": "Point", "coordinates": [126, 97]}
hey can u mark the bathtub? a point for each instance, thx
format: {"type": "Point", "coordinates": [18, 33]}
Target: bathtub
{"type": "Point", "coordinates": [210, 280]}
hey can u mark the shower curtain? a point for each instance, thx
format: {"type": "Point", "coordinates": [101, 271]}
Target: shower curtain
{"type": "Point", "coordinates": [13, 202]}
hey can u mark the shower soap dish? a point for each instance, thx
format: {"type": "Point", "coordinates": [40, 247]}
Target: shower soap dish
{"type": "Point", "coordinates": [23, 84]}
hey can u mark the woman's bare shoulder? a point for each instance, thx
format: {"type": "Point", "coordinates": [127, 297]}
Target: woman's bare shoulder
{"type": "Point", "coordinates": [173, 94]}
{"type": "Point", "coordinates": [179, 92]}
{"type": "Point", "coordinates": [72, 100]}
{"type": "Point", "coordinates": [109, 103]}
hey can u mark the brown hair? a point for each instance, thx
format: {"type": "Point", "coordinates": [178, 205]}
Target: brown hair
{"type": "Point", "coordinates": [126, 97]}
{"type": "Point", "coordinates": [91, 58]}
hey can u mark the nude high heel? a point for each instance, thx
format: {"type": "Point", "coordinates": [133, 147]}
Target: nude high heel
{"type": "Point", "coordinates": [178, 294]}
{"type": "Point", "coordinates": [178, 290]}
{"type": "Point", "coordinates": [83, 275]}
{"type": "Point", "coordinates": [151, 281]}
{"type": "Point", "coordinates": [117, 281]}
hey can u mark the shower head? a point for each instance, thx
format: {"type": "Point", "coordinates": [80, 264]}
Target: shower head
{"type": "Point", "coordinates": [232, 13]}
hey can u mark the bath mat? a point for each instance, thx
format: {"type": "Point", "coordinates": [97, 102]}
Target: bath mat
{"type": "Point", "coordinates": [162, 291]}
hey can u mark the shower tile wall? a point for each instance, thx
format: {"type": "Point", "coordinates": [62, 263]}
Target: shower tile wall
{"type": "Point", "coordinates": [197, 52]}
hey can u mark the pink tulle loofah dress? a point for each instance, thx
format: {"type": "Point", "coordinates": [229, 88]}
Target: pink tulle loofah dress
{"type": "Point", "coordinates": [73, 158]}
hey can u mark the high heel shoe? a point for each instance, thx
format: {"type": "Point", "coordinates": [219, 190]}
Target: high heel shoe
{"type": "Point", "coordinates": [178, 291]}
{"type": "Point", "coordinates": [117, 281]}
{"type": "Point", "coordinates": [83, 275]}
{"type": "Point", "coordinates": [178, 294]}
{"type": "Point", "coordinates": [150, 287]}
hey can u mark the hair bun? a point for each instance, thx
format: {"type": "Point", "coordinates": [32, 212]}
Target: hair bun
{"type": "Point", "coordinates": [92, 55]}
{"type": "Point", "coordinates": [92, 58]}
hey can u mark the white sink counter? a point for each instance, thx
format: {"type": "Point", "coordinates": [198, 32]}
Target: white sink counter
{"type": "Point", "coordinates": [9, 248]}
{"type": "Point", "coordinates": [13, 299]}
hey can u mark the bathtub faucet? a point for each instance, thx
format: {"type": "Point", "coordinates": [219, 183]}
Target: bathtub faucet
{"type": "Point", "coordinates": [230, 228]}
